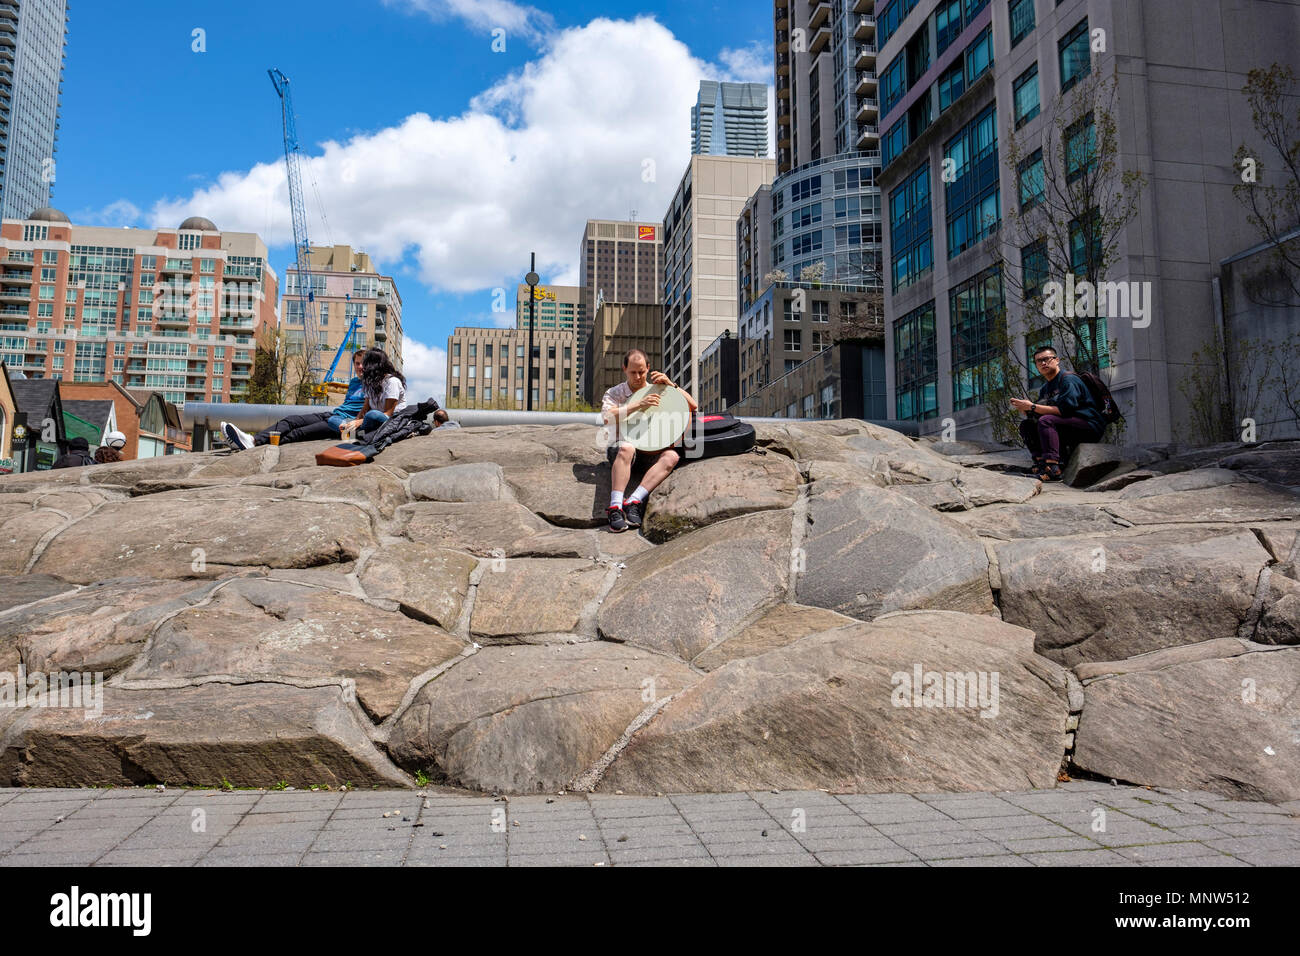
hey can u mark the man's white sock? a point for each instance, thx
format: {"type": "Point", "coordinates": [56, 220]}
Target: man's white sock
{"type": "Point", "coordinates": [616, 499]}
{"type": "Point", "coordinates": [639, 495]}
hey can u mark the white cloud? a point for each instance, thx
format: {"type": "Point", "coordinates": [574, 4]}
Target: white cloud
{"type": "Point", "coordinates": [122, 212]}
{"type": "Point", "coordinates": [425, 368]}
{"type": "Point", "coordinates": [751, 64]}
{"type": "Point", "coordinates": [468, 197]}
{"type": "Point", "coordinates": [517, 19]}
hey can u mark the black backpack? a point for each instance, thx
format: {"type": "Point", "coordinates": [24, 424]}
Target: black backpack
{"type": "Point", "coordinates": [717, 434]}
{"type": "Point", "coordinates": [1101, 397]}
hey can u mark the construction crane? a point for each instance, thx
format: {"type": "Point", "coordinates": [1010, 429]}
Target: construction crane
{"type": "Point", "coordinates": [301, 244]}
{"type": "Point", "coordinates": [330, 384]}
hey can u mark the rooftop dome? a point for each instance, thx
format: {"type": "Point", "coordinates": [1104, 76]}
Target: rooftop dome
{"type": "Point", "coordinates": [49, 214]}
{"type": "Point", "coordinates": [201, 224]}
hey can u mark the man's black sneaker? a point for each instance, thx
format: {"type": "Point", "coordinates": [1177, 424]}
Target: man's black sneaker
{"type": "Point", "coordinates": [617, 520]}
{"type": "Point", "coordinates": [633, 511]}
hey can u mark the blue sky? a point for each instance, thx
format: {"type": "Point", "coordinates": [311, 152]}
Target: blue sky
{"type": "Point", "coordinates": [445, 160]}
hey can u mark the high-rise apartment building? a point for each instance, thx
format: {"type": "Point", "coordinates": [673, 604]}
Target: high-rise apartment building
{"type": "Point", "coordinates": [700, 267]}
{"type": "Point", "coordinates": [730, 119]}
{"type": "Point", "coordinates": [825, 202]}
{"type": "Point", "coordinates": [346, 285]}
{"type": "Point", "coordinates": [33, 36]}
{"type": "Point", "coordinates": [961, 82]}
{"type": "Point", "coordinates": [619, 262]}
{"type": "Point", "coordinates": [487, 368]}
{"type": "Point", "coordinates": [556, 307]}
{"type": "Point", "coordinates": [171, 310]}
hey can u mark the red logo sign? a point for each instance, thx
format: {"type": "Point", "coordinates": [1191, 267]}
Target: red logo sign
{"type": "Point", "coordinates": [645, 232]}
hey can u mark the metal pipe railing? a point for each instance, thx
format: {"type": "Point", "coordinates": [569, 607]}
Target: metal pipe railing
{"type": "Point", "coordinates": [200, 418]}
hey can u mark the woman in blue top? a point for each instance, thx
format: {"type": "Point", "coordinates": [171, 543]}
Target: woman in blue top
{"type": "Point", "coordinates": [1063, 417]}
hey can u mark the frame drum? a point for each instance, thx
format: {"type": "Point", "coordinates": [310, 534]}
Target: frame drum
{"type": "Point", "coordinates": [654, 429]}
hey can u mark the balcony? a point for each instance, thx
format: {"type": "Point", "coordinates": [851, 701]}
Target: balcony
{"type": "Point", "coordinates": [868, 136]}
{"type": "Point", "coordinates": [782, 41]}
{"type": "Point", "coordinates": [868, 110]}
{"type": "Point", "coordinates": [865, 29]}
{"type": "Point", "coordinates": [782, 64]}
{"type": "Point", "coordinates": [867, 82]}
{"type": "Point", "coordinates": [865, 57]}
{"type": "Point", "coordinates": [821, 14]}
{"type": "Point", "coordinates": [15, 295]}
{"type": "Point", "coordinates": [820, 40]}
{"type": "Point", "coordinates": [863, 6]}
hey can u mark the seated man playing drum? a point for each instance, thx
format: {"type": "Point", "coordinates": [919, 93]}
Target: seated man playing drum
{"type": "Point", "coordinates": [615, 408]}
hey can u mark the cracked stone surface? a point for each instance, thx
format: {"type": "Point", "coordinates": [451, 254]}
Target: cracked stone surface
{"type": "Point", "coordinates": [457, 608]}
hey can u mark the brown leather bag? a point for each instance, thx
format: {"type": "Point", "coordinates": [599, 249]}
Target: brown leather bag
{"type": "Point", "coordinates": [343, 456]}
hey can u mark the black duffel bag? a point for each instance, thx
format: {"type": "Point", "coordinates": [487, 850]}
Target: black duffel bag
{"type": "Point", "coordinates": [716, 434]}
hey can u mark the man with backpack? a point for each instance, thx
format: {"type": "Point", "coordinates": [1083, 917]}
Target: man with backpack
{"type": "Point", "coordinates": [78, 455]}
{"type": "Point", "coordinates": [1066, 414]}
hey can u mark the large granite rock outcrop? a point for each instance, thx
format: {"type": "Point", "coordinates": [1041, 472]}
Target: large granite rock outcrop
{"type": "Point", "coordinates": [458, 609]}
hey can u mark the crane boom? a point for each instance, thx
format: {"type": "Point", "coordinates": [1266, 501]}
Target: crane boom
{"type": "Point", "coordinates": [301, 244]}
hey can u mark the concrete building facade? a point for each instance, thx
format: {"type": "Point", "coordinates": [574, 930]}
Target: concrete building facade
{"type": "Point", "coordinates": [844, 381]}
{"type": "Point", "coordinates": [619, 262]}
{"type": "Point", "coordinates": [618, 327]}
{"type": "Point", "coordinates": [558, 307]}
{"type": "Point", "coordinates": [33, 41]}
{"type": "Point", "coordinates": [701, 274]}
{"type": "Point", "coordinates": [730, 119]}
{"type": "Point", "coordinates": [171, 310]}
{"type": "Point", "coordinates": [486, 368]}
{"type": "Point", "coordinates": [720, 373]}
{"type": "Point", "coordinates": [346, 284]}
{"type": "Point", "coordinates": [959, 81]}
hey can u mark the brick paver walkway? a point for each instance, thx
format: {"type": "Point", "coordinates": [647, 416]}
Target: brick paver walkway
{"type": "Point", "coordinates": [1078, 824]}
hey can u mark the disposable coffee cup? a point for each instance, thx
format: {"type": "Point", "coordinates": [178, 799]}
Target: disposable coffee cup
{"type": "Point", "coordinates": [275, 438]}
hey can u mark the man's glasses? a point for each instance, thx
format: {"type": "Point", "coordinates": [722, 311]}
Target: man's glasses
{"type": "Point", "coordinates": [1045, 361]}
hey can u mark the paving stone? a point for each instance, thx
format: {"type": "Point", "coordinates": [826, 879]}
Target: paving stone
{"type": "Point", "coordinates": [1037, 844]}
{"type": "Point", "coordinates": [785, 859]}
{"type": "Point", "coordinates": [1001, 861]}
{"type": "Point", "coordinates": [1076, 858]}
{"type": "Point", "coordinates": [368, 858]}
{"type": "Point", "coordinates": [153, 856]}
{"type": "Point", "coordinates": [859, 856]}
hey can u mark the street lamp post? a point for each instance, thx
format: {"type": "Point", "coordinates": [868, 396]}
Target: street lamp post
{"type": "Point", "coordinates": [532, 279]}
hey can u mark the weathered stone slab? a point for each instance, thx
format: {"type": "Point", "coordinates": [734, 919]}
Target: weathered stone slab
{"type": "Point", "coordinates": [481, 481]}
{"type": "Point", "coordinates": [568, 494]}
{"type": "Point", "coordinates": [1221, 724]}
{"type": "Point", "coordinates": [21, 533]}
{"type": "Point", "coordinates": [983, 488]}
{"type": "Point", "coordinates": [189, 534]}
{"type": "Point", "coordinates": [1043, 519]}
{"type": "Point", "coordinates": [700, 493]}
{"type": "Point", "coordinates": [836, 710]}
{"type": "Point", "coordinates": [1277, 462]}
{"type": "Point", "coordinates": [266, 630]}
{"type": "Point", "coordinates": [782, 625]}
{"type": "Point", "coordinates": [484, 527]}
{"type": "Point", "coordinates": [428, 583]}
{"type": "Point", "coordinates": [251, 735]}
{"type": "Point", "coordinates": [535, 596]}
{"type": "Point", "coordinates": [100, 628]}
{"type": "Point", "coordinates": [1224, 503]}
{"type": "Point", "coordinates": [1107, 598]}
{"type": "Point", "coordinates": [869, 551]}
{"type": "Point", "coordinates": [19, 589]}
{"type": "Point", "coordinates": [688, 593]}
{"type": "Point", "coordinates": [530, 719]}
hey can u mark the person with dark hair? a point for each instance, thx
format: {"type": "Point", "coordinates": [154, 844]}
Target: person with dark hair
{"type": "Point", "coordinates": [317, 426]}
{"type": "Point", "coordinates": [78, 454]}
{"type": "Point", "coordinates": [616, 405]}
{"type": "Point", "coordinates": [1063, 417]}
{"type": "Point", "coordinates": [105, 454]}
{"type": "Point", "coordinates": [383, 387]}
{"type": "Point", "coordinates": [442, 420]}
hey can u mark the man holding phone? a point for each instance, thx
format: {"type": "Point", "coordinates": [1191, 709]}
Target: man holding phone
{"type": "Point", "coordinates": [1063, 417]}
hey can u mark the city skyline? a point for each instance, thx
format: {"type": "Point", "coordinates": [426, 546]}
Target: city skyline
{"type": "Point", "coordinates": [397, 161]}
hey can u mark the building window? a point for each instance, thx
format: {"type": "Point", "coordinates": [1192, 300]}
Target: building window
{"type": "Point", "coordinates": [793, 340]}
{"type": "Point", "coordinates": [979, 55]}
{"type": "Point", "coordinates": [808, 405]}
{"type": "Point", "coordinates": [519, 395]}
{"type": "Point", "coordinates": [947, 24]}
{"type": "Point", "coordinates": [1076, 59]}
{"type": "Point", "coordinates": [821, 312]}
{"type": "Point", "coordinates": [975, 311]}
{"type": "Point", "coordinates": [1080, 148]}
{"type": "Point", "coordinates": [505, 373]}
{"type": "Point", "coordinates": [1033, 266]}
{"type": "Point", "coordinates": [973, 198]}
{"type": "Point", "coordinates": [827, 409]}
{"type": "Point", "coordinates": [455, 349]}
{"type": "Point", "coordinates": [1025, 93]}
{"type": "Point", "coordinates": [909, 229]}
{"type": "Point", "coordinates": [916, 365]}
{"type": "Point", "coordinates": [1022, 20]}
{"type": "Point", "coordinates": [951, 86]}
{"type": "Point", "coordinates": [473, 371]}
{"type": "Point", "coordinates": [1032, 186]}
